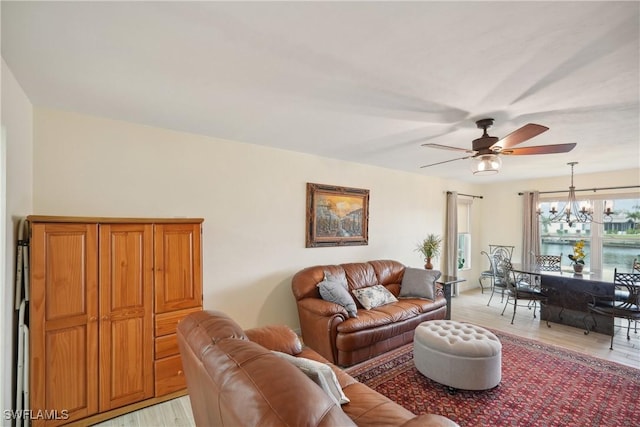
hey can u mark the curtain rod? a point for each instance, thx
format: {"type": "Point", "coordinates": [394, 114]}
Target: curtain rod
{"type": "Point", "coordinates": [588, 189]}
{"type": "Point", "coordinates": [468, 195]}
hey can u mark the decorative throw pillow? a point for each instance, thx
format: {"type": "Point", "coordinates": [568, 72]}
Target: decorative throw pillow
{"type": "Point", "coordinates": [321, 374]}
{"type": "Point", "coordinates": [335, 290]}
{"type": "Point", "coordinates": [374, 296]}
{"type": "Point", "coordinates": [419, 283]}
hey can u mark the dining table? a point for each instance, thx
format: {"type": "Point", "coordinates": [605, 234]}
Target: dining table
{"type": "Point", "coordinates": [567, 295]}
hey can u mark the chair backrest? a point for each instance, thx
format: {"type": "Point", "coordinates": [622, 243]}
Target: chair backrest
{"type": "Point", "coordinates": [631, 278]}
{"type": "Point", "coordinates": [501, 256]}
{"type": "Point", "coordinates": [548, 262]}
{"type": "Point", "coordinates": [508, 277]}
{"type": "Point", "coordinates": [500, 265]}
{"type": "Point", "coordinates": [627, 289]}
{"type": "Point", "coordinates": [504, 251]}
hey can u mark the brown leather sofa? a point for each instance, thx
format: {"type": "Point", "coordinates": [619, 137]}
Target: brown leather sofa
{"type": "Point", "coordinates": [327, 328]}
{"type": "Point", "coordinates": [235, 379]}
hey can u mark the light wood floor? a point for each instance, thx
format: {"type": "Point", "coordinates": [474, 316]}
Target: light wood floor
{"type": "Point", "coordinates": [470, 306]}
{"type": "Point", "coordinates": [172, 413]}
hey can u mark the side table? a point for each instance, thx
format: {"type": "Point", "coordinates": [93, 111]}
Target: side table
{"type": "Point", "coordinates": [447, 283]}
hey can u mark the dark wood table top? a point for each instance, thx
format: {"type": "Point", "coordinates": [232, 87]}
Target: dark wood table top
{"type": "Point", "coordinates": [566, 272]}
{"type": "Point", "coordinates": [448, 280]}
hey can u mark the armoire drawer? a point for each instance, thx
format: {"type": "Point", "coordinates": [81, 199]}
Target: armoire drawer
{"type": "Point", "coordinates": [169, 375]}
{"type": "Point", "coordinates": [166, 345]}
{"type": "Point", "coordinates": [166, 323]}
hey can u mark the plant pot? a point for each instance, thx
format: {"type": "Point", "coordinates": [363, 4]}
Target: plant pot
{"type": "Point", "coordinates": [428, 265]}
{"type": "Point", "coordinates": [578, 268]}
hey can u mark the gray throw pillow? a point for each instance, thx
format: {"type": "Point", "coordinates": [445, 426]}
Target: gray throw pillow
{"type": "Point", "coordinates": [419, 283]}
{"type": "Point", "coordinates": [321, 374]}
{"type": "Point", "coordinates": [335, 290]}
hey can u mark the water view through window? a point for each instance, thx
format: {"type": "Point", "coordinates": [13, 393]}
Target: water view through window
{"type": "Point", "coordinates": [617, 240]}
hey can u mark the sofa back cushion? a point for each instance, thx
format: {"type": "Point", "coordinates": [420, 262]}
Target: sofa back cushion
{"type": "Point", "coordinates": [389, 272]}
{"type": "Point", "coordinates": [233, 381]}
{"type": "Point", "coordinates": [305, 282]}
{"type": "Point", "coordinates": [358, 275]}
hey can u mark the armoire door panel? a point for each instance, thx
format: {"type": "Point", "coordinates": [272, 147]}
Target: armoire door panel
{"type": "Point", "coordinates": [127, 265]}
{"type": "Point", "coordinates": [178, 270]}
{"type": "Point", "coordinates": [63, 319]}
{"type": "Point", "coordinates": [126, 320]}
{"type": "Point", "coordinates": [127, 363]}
{"type": "Point", "coordinates": [69, 359]}
{"type": "Point", "coordinates": [67, 287]}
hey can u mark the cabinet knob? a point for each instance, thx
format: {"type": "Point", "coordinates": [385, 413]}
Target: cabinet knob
{"type": "Point", "coordinates": [93, 319]}
{"type": "Point", "coordinates": [180, 372]}
{"type": "Point", "coordinates": [105, 317]}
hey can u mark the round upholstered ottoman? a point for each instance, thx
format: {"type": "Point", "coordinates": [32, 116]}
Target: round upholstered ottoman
{"type": "Point", "coordinates": [458, 355]}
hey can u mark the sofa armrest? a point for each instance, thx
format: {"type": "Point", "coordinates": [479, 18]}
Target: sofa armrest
{"type": "Point", "coordinates": [322, 308]}
{"type": "Point", "coordinates": [319, 320]}
{"type": "Point", "coordinates": [276, 337]}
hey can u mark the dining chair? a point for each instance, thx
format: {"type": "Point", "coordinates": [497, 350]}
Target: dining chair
{"type": "Point", "coordinates": [624, 303]}
{"type": "Point", "coordinates": [496, 273]}
{"type": "Point", "coordinates": [520, 288]}
{"type": "Point", "coordinates": [496, 254]}
{"type": "Point", "coordinates": [548, 262]}
{"type": "Point", "coordinates": [487, 274]}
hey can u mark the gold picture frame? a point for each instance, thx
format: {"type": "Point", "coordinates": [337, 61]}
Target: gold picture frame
{"type": "Point", "coordinates": [337, 216]}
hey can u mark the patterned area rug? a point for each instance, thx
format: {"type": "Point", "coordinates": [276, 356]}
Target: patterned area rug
{"type": "Point", "coordinates": [541, 385]}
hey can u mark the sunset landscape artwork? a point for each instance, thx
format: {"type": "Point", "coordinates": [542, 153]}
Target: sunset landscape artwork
{"type": "Point", "coordinates": [336, 216]}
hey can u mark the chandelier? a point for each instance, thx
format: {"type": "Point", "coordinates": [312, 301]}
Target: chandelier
{"type": "Point", "coordinates": [573, 212]}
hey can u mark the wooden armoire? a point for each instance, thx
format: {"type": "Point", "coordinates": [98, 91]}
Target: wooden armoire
{"type": "Point", "coordinates": [106, 295]}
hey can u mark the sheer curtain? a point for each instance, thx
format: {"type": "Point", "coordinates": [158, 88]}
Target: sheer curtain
{"type": "Point", "coordinates": [451, 238]}
{"type": "Point", "coordinates": [530, 226]}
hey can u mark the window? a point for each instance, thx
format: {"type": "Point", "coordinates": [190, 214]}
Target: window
{"type": "Point", "coordinates": [611, 242]}
{"type": "Point", "coordinates": [464, 234]}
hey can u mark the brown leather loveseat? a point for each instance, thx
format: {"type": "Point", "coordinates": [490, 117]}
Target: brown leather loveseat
{"type": "Point", "coordinates": [328, 328]}
{"type": "Point", "coordinates": [236, 378]}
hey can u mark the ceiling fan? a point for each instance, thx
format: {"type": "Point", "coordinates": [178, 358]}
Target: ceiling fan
{"type": "Point", "coordinates": [486, 149]}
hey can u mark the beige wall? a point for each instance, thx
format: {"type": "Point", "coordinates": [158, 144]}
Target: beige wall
{"type": "Point", "coordinates": [253, 201]}
{"type": "Point", "coordinates": [17, 184]}
{"type": "Point", "coordinates": [251, 197]}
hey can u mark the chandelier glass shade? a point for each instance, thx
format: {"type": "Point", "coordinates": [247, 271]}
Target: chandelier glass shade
{"type": "Point", "coordinates": [486, 164]}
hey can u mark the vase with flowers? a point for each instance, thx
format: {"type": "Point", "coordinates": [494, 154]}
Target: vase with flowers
{"type": "Point", "coordinates": [429, 248]}
{"type": "Point", "coordinates": [577, 258]}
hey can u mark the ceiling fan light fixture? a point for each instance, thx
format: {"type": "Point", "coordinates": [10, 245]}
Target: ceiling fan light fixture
{"type": "Point", "coordinates": [486, 164]}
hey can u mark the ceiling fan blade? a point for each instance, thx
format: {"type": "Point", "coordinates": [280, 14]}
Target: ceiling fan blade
{"type": "Point", "coordinates": [521, 135]}
{"type": "Point", "coordinates": [540, 149]}
{"type": "Point", "coordinates": [446, 161]}
{"type": "Point", "coordinates": [448, 147]}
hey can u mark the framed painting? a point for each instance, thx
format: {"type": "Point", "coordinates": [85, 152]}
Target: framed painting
{"type": "Point", "coordinates": [337, 216]}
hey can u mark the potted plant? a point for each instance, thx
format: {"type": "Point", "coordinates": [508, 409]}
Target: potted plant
{"type": "Point", "coordinates": [577, 258]}
{"type": "Point", "coordinates": [430, 248]}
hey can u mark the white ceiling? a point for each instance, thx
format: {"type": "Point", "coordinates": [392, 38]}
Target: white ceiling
{"type": "Point", "coordinates": [367, 82]}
